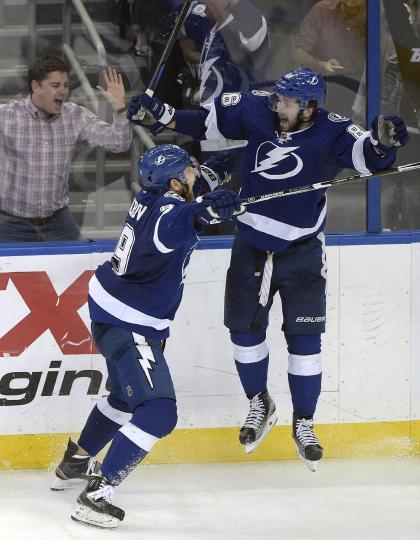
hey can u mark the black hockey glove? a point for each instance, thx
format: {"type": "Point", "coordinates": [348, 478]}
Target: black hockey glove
{"type": "Point", "coordinates": [387, 134]}
{"type": "Point", "coordinates": [161, 112]}
{"type": "Point", "coordinates": [220, 204]}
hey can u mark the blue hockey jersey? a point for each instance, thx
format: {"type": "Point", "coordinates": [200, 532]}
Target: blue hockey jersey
{"type": "Point", "coordinates": [141, 287]}
{"type": "Point", "coordinates": [234, 53]}
{"type": "Point", "coordinates": [274, 161]}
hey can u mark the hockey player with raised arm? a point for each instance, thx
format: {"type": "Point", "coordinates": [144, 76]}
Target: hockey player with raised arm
{"type": "Point", "coordinates": [279, 243]}
{"type": "Point", "coordinates": [132, 299]}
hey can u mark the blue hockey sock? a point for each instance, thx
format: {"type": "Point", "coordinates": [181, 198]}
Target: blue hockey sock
{"type": "Point", "coordinates": [305, 391]}
{"type": "Point", "coordinates": [102, 424]}
{"type": "Point", "coordinates": [250, 352]}
{"type": "Point", "coordinates": [253, 376]}
{"type": "Point", "coordinates": [151, 421]}
{"type": "Point", "coordinates": [304, 372]}
{"type": "Point", "coordinates": [122, 457]}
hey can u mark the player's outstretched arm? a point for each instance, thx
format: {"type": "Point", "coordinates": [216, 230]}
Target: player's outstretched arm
{"type": "Point", "coordinates": [162, 115]}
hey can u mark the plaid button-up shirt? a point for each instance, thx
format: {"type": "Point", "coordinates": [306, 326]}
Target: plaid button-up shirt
{"type": "Point", "coordinates": [36, 153]}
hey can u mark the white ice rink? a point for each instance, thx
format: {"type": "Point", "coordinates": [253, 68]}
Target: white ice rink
{"type": "Point", "coordinates": [374, 499]}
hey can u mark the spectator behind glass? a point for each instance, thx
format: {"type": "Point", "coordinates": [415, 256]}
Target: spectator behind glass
{"type": "Point", "coordinates": [38, 136]}
{"type": "Point", "coordinates": [331, 39]}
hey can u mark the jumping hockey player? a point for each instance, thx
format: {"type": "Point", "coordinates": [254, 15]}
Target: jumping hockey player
{"type": "Point", "coordinates": [132, 299]}
{"type": "Point", "coordinates": [279, 243]}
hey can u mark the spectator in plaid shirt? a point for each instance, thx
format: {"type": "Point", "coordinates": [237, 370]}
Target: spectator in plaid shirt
{"type": "Point", "coordinates": [38, 136]}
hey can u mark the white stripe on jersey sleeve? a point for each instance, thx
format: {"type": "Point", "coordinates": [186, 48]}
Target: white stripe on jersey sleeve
{"type": "Point", "coordinates": [121, 311]}
{"type": "Point", "coordinates": [358, 156]}
{"type": "Point", "coordinates": [161, 247]}
{"type": "Point", "coordinates": [212, 131]}
{"type": "Point", "coordinates": [255, 41]}
{"type": "Point", "coordinates": [278, 229]}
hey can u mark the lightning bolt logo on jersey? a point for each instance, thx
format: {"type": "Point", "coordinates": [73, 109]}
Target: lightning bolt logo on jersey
{"type": "Point", "coordinates": [274, 155]}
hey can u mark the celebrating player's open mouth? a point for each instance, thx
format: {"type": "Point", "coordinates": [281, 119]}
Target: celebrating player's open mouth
{"type": "Point", "coordinates": [285, 123]}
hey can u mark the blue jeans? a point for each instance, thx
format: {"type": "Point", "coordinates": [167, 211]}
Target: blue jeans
{"type": "Point", "coordinates": [61, 226]}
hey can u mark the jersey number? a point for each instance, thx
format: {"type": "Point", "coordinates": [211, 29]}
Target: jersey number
{"type": "Point", "coordinates": [230, 98]}
{"type": "Point", "coordinates": [123, 250]}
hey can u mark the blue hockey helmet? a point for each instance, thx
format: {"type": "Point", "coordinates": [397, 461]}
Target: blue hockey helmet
{"type": "Point", "coordinates": [302, 84]}
{"type": "Point", "coordinates": [160, 164]}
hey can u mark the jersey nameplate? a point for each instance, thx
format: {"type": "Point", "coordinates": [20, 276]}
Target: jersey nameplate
{"type": "Point", "coordinates": [230, 98]}
{"type": "Point", "coordinates": [355, 130]}
{"type": "Point", "coordinates": [136, 210]}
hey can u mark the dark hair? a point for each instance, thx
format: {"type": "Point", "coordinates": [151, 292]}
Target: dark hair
{"type": "Point", "coordinates": [44, 65]}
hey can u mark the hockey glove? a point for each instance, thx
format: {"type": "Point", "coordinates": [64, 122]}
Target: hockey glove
{"type": "Point", "coordinates": [220, 204]}
{"type": "Point", "coordinates": [159, 111]}
{"type": "Point", "coordinates": [387, 134]}
{"type": "Point", "coordinates": [216, 170]}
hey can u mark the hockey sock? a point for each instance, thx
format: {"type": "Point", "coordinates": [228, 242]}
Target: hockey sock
{"type": "Point", "coordinates": [124, 455]}
{"type": "Point", "coordinates": [250, 352]}
{"type": "Point", "coordinates": [305, 391]}
{"type": "Point", "coordinates": [151, 421]}
{"type": "Point", "coordinates": [304, 372]}
{"type": "Point", "coordinates": [156, 416]}
{"type": "Point", "coordinates": [103, 423]}
{"type": "Point", "coordinates": [253, 376]}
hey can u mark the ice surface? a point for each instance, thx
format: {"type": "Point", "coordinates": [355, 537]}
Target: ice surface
{"type": "Point", "coordinates": [346, 499]}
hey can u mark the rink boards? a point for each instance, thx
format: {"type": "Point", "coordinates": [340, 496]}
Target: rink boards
{"type": "Point", "coordinates": [50, 375]}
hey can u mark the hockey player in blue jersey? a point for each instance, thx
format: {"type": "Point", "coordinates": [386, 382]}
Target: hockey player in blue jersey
{"type": "Point", "coordinates": [132, 299]}
{"type": "Point", "coordinates": [279, 244]}
{"type": "Point", "coordinates": [234, 44]}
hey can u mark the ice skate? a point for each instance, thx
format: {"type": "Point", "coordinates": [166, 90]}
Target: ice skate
{"type": "Point", "coordinates": [307, 445]}
{"type": "Point", "coordinates": [73, 468]}
{"type": "Point", "coordinates": [94, 505]}
{"type": "Point", "coordinates": [261, 418]}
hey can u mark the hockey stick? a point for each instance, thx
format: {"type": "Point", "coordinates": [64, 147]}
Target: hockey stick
{"type": "Point", "coordinates": [328, 183]}
{"type": "Point", "coordinates": [165, 55]}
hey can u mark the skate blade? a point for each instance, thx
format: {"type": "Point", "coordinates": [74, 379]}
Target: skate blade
{"type": "Point", "coordinates": [58, 484]}
{"type": "Point", "coordinates": [310, 464]}
{"type": "Point", "coordinates": [269, 425]}
{"type": "Point", "coordinates": [86, 515]}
